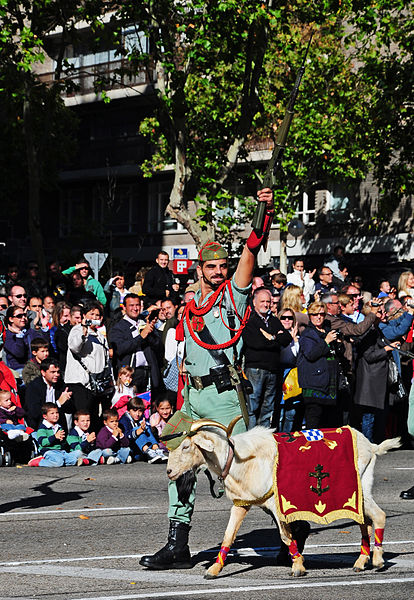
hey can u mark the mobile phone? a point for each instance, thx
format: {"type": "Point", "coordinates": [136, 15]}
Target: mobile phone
{"type": "Point", "coordinates": [153, 315]}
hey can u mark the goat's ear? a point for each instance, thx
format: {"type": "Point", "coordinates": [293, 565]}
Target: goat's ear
{"type": "Point", "coordinates": [203, 441]}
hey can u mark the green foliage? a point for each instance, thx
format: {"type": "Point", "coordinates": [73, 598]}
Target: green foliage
{"type": "Point", "coordinates": [224, 72]}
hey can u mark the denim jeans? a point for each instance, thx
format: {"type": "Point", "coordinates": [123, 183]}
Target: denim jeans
{"type": "Point", "coordinates": [122, 453]}
{"type": "Point", "coordinates": [146, 438]}
{"type": "Point", "coordinates": [367, 425]}
{"type": "Point", "coordinates": [60, 458]}
{"type": "Point", "coordinates": [261, 403]}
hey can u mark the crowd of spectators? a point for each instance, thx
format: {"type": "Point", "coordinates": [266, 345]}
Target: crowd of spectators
{"type": "Point", "coordinates": [96, 367]}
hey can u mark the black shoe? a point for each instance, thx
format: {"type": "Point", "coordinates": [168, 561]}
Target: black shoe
{"type": "Point", "coordinates": [408, 494]}
{"type": "Point", "coordinates": [175, 554]}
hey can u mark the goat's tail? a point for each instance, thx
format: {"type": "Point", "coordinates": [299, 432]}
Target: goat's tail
{"type": "Point", "coordinates": [386, 445]}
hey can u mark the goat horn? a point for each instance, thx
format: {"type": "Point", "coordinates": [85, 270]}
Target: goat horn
{"type": "Point", "coordinates": [232, 425]}
{"type": "Point", "coordinates": [205, 423]}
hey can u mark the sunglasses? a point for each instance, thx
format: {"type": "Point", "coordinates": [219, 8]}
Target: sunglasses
{"type": "Point", "coordinates": [22, 316]}
{"type": "Point", "coordinates": [286, 318]}
{"type": "Point", "coordinates": [4, 306]}
{"type": "Point", "coordinates": [19, 295]}
{"type": "Point", "coordinates": [334, 302]}
{"type": "Point", "coordinates": [321, 314]}
{"type": "Point", "coordinates": [355, 295]}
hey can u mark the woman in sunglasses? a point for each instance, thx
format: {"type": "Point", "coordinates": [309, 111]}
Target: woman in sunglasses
{"type": "Point", "coordinates": [318, 370]}
{"type": "Point", "coordinates": [16, 351]}
{"type": "Point", "coordinates": [292, 407]}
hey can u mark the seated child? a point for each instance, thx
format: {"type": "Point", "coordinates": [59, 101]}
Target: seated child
{"type": "Point", "coordinates": [123, 390]}
{"type": "Point", "coordinates": [9, 418]}
{"type": "Point", "coordinates": [111, 439]}
{"type": "Point", "coordinates": [138, 431]}
{"type": "Point", "coordinates": [40, 351]}
{"type": "Point", "coordinates": [80, 438]}
{"type": "Point", "coordinates": [53, 447]}
{"type": "Point", "coordinates": [158, 419]}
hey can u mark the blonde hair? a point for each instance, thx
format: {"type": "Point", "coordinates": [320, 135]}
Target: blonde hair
{"type": "Point", "coordinates": [316, 307]}
{"type": "Point", "coordinates": [402, 282]}
{"type": "Point", "coordinates": [123, 371]}
{"type": "Point", "coordinates": [344, 299]}
{"type": "Point", "coordinates": [292, 298]}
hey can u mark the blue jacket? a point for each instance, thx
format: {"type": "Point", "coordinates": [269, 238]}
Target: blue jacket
{"type": "Point", "coordinates": [313, 370]}
{"type": "Point", "coordinates": [393, 330]}
{"type": "Point", "coordinates": [17, 347]}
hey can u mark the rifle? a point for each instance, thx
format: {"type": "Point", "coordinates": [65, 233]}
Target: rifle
{"type": "Point", "coordinates": [275, 161]}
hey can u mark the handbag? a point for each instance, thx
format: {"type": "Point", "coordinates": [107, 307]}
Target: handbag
{"type": "Point", "coordinates": [291, 387]}
{"type": "Point", "coordinates": [171, 373]}
{"type": "Point", "coordinates": [100, 383]}
{"type": "Point", "coordinates": [393, 374]}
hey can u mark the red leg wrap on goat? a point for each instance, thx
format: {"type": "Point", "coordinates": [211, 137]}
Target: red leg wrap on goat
{"type": "Point", "coordinates": [293, 549]}
{"type": "Point", "coordinates": [257, 238]}
{"type": "Point", "coordinates": [222, 555]}
{"type": "Point", "coordinates": [365, 545]}
{"type": "Point", "coordinates": [379, 536]}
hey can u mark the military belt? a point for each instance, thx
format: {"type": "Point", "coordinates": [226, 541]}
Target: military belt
{"type": "Point", "coordinates": [201, 382]}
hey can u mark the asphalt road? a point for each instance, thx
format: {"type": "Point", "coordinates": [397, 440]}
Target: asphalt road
{"type": "Point", "coordinates": [77, 533]}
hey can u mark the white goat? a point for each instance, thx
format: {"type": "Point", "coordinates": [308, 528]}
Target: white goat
{"type": "Point", "coordinates": [250, 477]}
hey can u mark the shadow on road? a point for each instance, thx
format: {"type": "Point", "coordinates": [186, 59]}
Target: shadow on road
{"type": "Point", "coordinates": [269, 538]}
{"type": "Point", "coordinates": [49, 497]}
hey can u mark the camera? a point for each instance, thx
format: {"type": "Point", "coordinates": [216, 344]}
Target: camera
{"type": "Point", "coordinates": [88, 322]}
{"type": "Point", "coordinates": [409, 303]}
{"type": "Point", "coordinates": [376, 304]}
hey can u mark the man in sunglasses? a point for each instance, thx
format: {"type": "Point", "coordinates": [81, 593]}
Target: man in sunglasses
{"type": "Point", "coordinates": [18, 297]}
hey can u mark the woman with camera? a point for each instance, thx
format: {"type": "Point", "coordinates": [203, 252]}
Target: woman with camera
{"type": "Point", "coordinates": [88, 372]}
{"type": "Point", "coordinates": [318, 370]}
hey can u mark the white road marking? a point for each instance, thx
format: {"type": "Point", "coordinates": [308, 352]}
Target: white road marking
{"type": "Point", "coordinates": [282, 586]}
{"type": "Point", "coordinates": [260, 551]}
{"type": "Point", "coordinates": [168, 578]}
{"type": "Point", "coordinates": [70, 510]}
{"type": "Point", "coordinates": [403, 468]}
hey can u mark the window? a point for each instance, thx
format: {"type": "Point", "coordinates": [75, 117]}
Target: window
{"type": "Point", "coordinates": [158, 199]}
{"type": "Point", "coordinates": [306, 208]}
{"type": "Point", "coordinates": [97, 217]}
{"type": "Point", "coordinates": [338, 206]}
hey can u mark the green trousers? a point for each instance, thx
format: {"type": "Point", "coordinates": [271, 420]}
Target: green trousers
{"type": "Point", "coordinates": [204, 404]}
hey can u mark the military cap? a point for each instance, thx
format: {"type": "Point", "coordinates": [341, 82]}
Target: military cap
{"type": "Point", "coordinates": [211, 251]}
{"type": "Point", "coordinates": [176, 429]}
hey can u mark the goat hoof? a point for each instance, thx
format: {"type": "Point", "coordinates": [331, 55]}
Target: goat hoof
{"type": "Point", "coordinates": [358, 570]}
{"type": "Point", "coordinates": [298, 573]}
{"type": "Point", "coordinates": [210, 576]}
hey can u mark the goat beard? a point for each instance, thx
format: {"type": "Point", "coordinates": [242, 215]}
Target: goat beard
{"type": "Point", "coordinates": [185, 484]}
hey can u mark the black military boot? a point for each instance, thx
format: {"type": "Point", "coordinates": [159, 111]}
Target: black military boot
{"type": "Point", "coordinates": [300, 531]}
{"type": "Point", "coordinates": [175, 554]}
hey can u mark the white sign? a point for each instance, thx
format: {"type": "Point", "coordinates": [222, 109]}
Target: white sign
{"type": "Point", "coordinates": [96, 260]}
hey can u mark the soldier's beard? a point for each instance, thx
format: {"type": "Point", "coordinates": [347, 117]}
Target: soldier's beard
{"type": "Point", "coordinates": [213, 284]}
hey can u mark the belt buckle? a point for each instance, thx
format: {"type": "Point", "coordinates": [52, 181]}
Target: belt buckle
{"type": "Point", "coordinates": [197, 382]}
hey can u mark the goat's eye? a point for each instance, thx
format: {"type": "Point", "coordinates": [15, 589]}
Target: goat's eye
{"type": "Point", "coordinates": [185, 445]}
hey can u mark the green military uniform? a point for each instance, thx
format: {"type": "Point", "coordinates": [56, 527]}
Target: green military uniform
{"type": "Point", "coordinates": [207, 402]}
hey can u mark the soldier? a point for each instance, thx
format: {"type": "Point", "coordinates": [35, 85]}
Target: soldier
{"type": "Point", "coordinates": [213, 388]}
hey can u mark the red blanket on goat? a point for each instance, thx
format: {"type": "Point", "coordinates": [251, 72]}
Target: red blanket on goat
{"type": "Point", "coordinates": [316, 476]}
